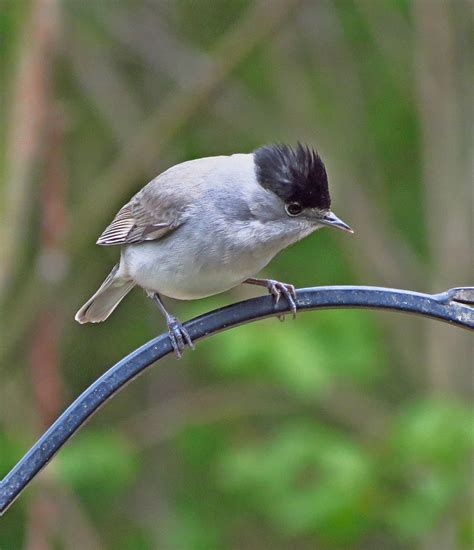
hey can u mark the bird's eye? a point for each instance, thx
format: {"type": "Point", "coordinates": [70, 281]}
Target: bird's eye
{"type": "Point", "coordinates": [293, 209]}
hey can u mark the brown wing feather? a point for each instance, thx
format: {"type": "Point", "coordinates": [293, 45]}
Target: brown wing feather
{"type": "Point", "coordinates": [132, 225]}
{"type": "Point", "coordinates": [157, 209]}
{"type": "Point", "coordinates": [117, 232]}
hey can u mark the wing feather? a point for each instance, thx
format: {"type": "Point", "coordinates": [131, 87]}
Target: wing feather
{"type": "Point", "coordinates": [129, 227]}
{"type": "Point", "coordinates": [161, 206]}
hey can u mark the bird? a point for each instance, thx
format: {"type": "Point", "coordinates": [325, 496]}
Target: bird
{"type": "Point", "coordinates": [207, 225]}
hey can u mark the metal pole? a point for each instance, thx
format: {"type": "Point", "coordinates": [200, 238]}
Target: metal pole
{"type": "Point", "coordinates": [453, 306]}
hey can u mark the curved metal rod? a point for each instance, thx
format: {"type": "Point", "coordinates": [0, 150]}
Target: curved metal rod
{"type": "Point", "coordinates": [453, 306]}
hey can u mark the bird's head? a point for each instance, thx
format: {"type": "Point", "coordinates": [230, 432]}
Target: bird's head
{"type": "Point", "coordinates": [298, 177]}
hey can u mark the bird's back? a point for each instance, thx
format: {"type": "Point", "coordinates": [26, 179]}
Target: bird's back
{"type": "Point", "coordinates": [192, 178]}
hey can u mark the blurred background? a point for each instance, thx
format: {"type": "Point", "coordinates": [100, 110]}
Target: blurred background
{"type": "Point", "coordinates": [343, 429]}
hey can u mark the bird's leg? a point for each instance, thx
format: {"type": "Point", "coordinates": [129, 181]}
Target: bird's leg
{"type": "Point", "coordinates": [179, 336]}
{"type": "Point", "coordinates": [277, 289]}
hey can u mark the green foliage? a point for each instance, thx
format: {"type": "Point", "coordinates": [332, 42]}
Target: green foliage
{"type": "Point", "coordinates": [11, 531]}
{"type": "Point", "coordinates": [305, 356]}
{"type": "Point", "coordinates": [204, 22]}
{"type": "Point", "coordinates": [432, 444]}
{"type": "Point", "coordinates": [191, 530]}
{"type": "Point", "coordinates": [305, 480]}
{"type": "Point", "coordinates": [436, 434]}
{"type": "Point", "coordinates": [99, 466]}
{"type": "Point", "coordinates": [10, 450]}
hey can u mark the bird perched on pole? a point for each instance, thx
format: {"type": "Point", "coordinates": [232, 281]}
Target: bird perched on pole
{"type": "Point", "coordinates": [207, 225]}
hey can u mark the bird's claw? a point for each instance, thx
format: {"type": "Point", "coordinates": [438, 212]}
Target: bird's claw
{"type": "Point", "coordinates": [179, 336]}
{"type": "Point", "coordinates": [278, 289]}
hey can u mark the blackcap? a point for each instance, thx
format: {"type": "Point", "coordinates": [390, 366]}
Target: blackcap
{"type": "Point", "coordinates": [207, 225]}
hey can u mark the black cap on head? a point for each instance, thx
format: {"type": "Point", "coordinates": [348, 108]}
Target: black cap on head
{"type": "Point", "coordinates": [294, 174]}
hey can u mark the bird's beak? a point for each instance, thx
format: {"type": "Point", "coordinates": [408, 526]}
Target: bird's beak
{"type": "Point", "coordinates": [333, 221]}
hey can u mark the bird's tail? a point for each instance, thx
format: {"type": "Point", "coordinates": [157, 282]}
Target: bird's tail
{"type": "Point", "coordinates": [106, 299]}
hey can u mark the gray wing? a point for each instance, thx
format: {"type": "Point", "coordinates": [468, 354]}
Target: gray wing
{"type": "Point", "coordinates": [163, 205]}
{"type": "Point", "coordinates": [148, 216]}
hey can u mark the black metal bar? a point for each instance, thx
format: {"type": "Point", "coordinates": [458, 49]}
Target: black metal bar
{"type": "Point", "coordinates": [453, 306]}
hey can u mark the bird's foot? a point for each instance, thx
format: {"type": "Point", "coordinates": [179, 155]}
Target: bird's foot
{"type": "Point", "coordinates": [179, 336]}
{"type": "Point", "coordinates": [277, 290]}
